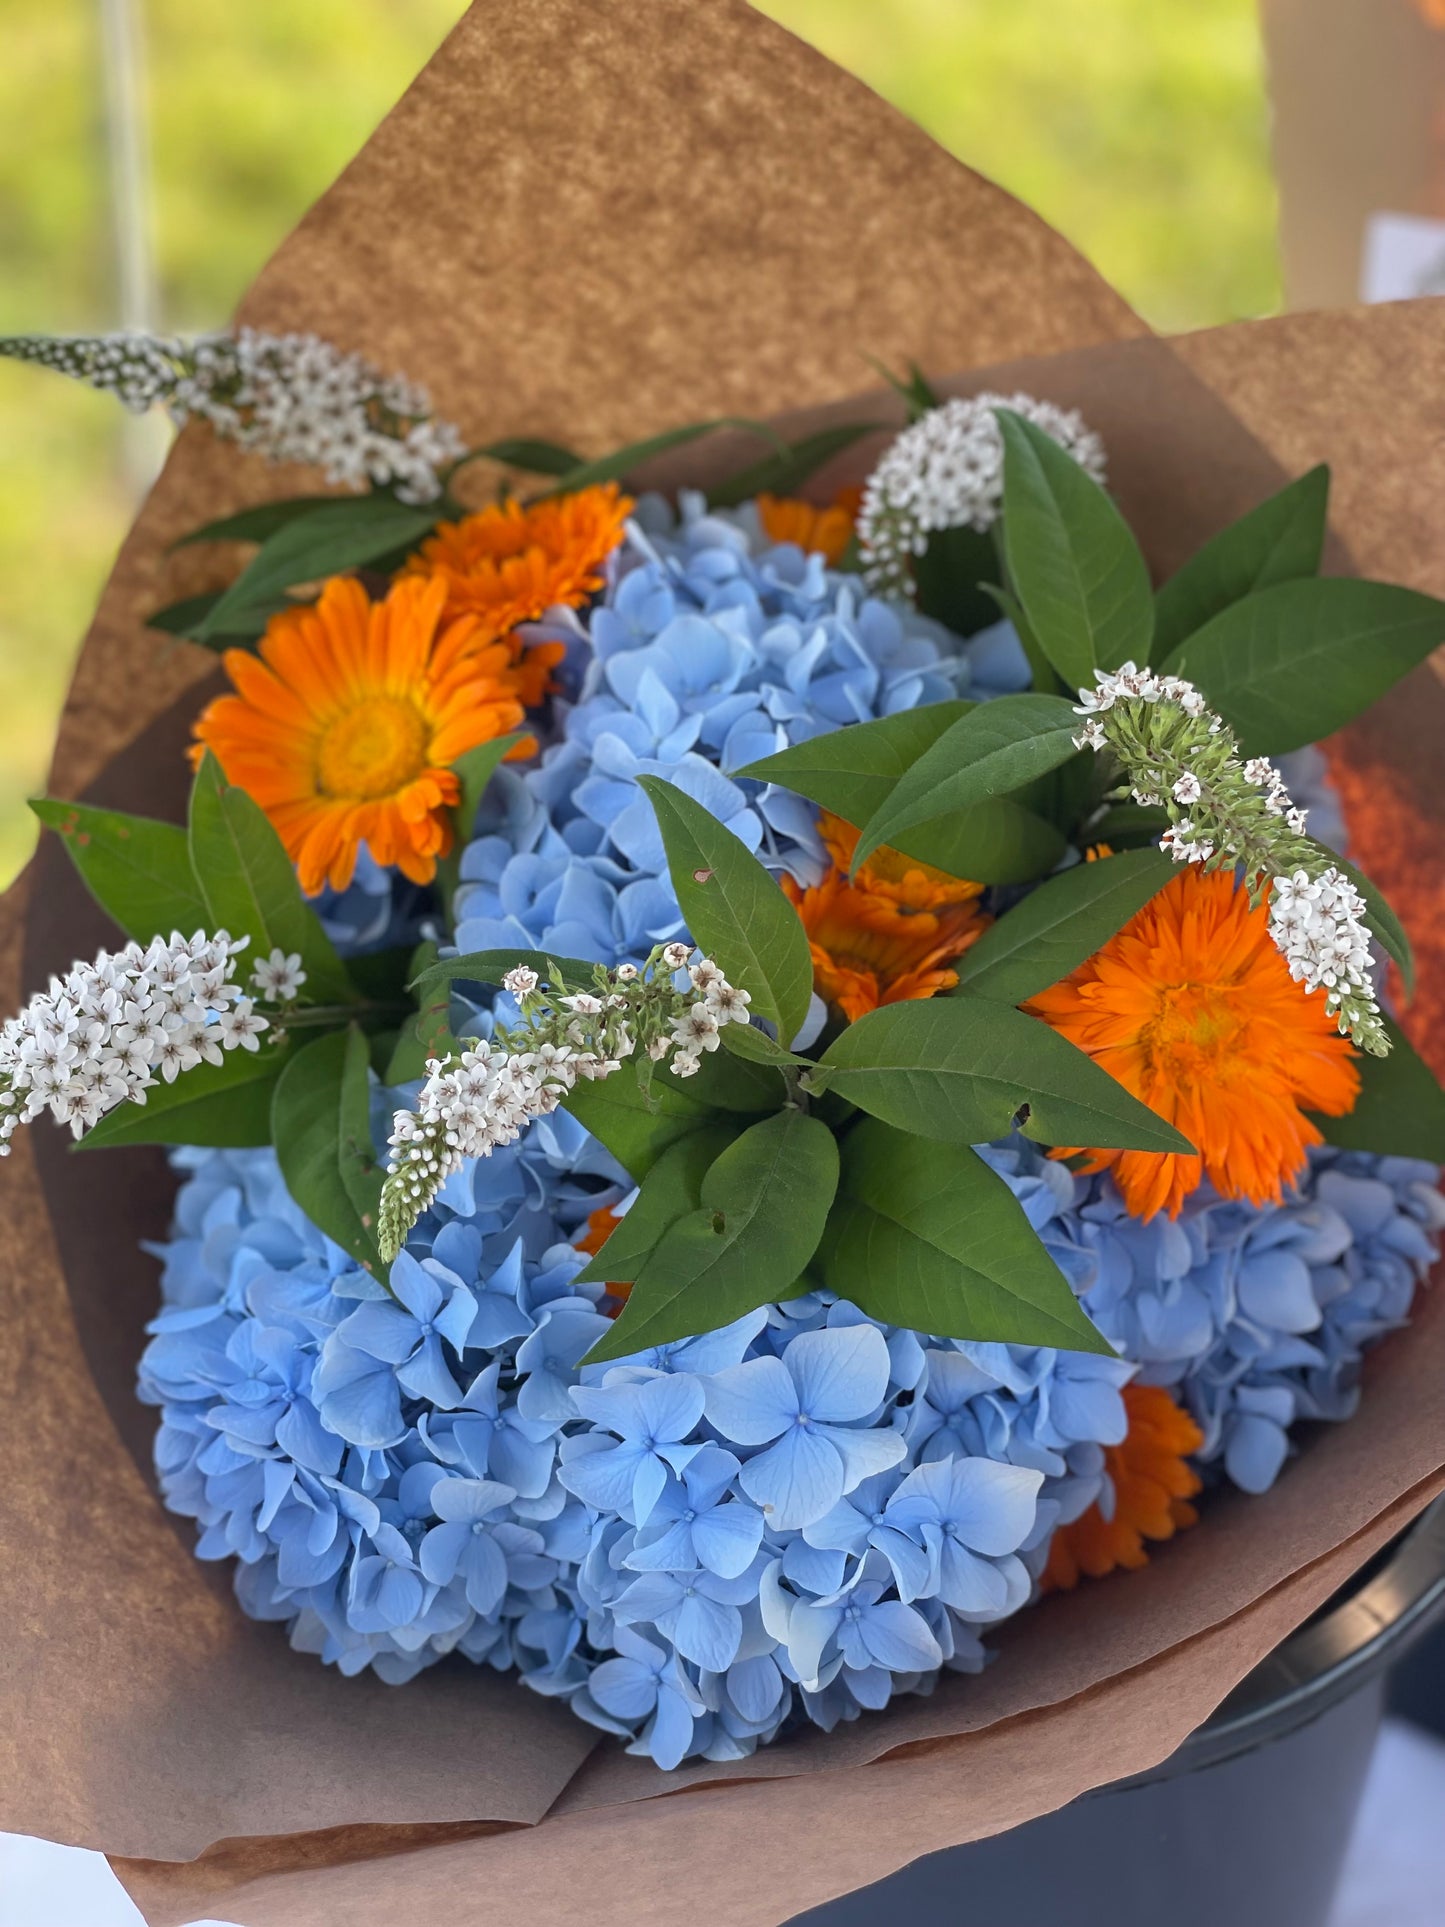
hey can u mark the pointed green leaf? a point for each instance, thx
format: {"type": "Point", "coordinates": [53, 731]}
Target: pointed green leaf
{"type": "Point", "coordinates": [950, 579]}
{"type": "Point", "coordinates": [259, 522]}
{"type": "Point", "coordinates": [763, 1205]}
{"type": "Point", "coordinates": [926, 1236]}
{"type": "Point", "coordinates": [735, 911]}
{"type": "Point", "coordinates": [671, 1188]}
{"type": "Point", "coordinates": [329, 540]}
{"type": "Point", "coordinates": [960, 1068]}
{"type": "Point", "coordinates": [637, 1126]}
{"type": "Point", "coordinates": [1057, 926]}
{"type": "Point", "coordinates": [189, 616]}
{"type": "Point", "coordinates": [1072, 561]}
{"type": "Point", "coordinates": [622, 461]}
{"type": "Point", "coordinates": [995, 748]}
{"type": "Point", "coordinates": [321, 1127]}
{"type": "Point", "coordinates": [746, 1040]}
{"type": "Point", "coordinates": [1400, 1111]}
{"type": "Point", "coordinates": [1293, 663]}
{"type": "Point", "coordinates": [250, 888]}
{"type": "Point", "coordinates": [226, 1104]}
{"type": "Point", "coordinates": [138, 870]}
{"type": "Point", "coordinates": [490, 966]}
{"type": "Point", "coordinates": [522, 451]}
{"type": "Point", "coordinates": [853, 771]}
{"type": "Point", "coordinates": [784, 472]}
{"type": "Point", "coordinates": [1280, 541]}
{"type": "Point", "coordinates": [1127, 826]}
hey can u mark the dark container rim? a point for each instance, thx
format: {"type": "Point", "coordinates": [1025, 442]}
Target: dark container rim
{"type": "Point", "coordinates": [1353, 1639]}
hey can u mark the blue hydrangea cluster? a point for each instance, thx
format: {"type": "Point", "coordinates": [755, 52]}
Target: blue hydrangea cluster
{"type": "Point", "coordinates": [789, 1520]}
{"type": "Point", "coordinates": [710, 649]}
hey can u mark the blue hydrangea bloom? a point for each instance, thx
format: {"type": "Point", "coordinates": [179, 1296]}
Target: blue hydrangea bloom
{"type": "Point", "coordinates": [800, 1516]}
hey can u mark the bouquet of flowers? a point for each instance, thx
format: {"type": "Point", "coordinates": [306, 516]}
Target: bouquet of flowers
{"type": "Point", "coordinates": [758, 1072]}
{"type": "Point", "coordinates": [887, 1095]}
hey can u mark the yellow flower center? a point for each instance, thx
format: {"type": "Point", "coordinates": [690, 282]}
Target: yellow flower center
{"type": "Point", "coordinates": [1195, 1029]}
{"type": "Point", "coordinates": [373, 750]}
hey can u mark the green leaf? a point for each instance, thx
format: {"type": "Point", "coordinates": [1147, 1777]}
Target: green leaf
{"type": "Point", "coordinates": [995, 748]}
{"type": "Point", "coordinates": [637, 1126]}
{"type": "Point", "coordinates": [960, 1068]}
{"type": "Point", "coordinates": [949, 579]}
{"type": "Point", "coordinates": [853, 771]}
{"type": "Point", "coordinates": [1057, 926]}
{"type": "Point", "coordinates": [1128, 825]}
{"type": "Point", "coordinates": [1001, 841]}
{"type": "Point", "coordinates": [914, 389]}
{"type": "Point", "coordinates": [523, 451]}
{"type": "Point", "coordinates": [226, 1104]}
{"type": "Point", "coordinates": [747, 1041]}
{"type": "Point", "coordinates": [1381, 917]}
{"type": "Point", "coordinates": [1072, 561]}
{"type": "Point", "coordinates": [671, 1188]}
{"type": "Point", "coordinates": [734, 910]}
{"type": "Point", "coordinates": [258, 523]}
{"type": "Point", "coordinates": [427, 1033]}
{"type": "Point", "coordinates": [1280, 541]}
{"type": "Point", "coordinates": [321, 1127]}
{"type": "Point", "coordinates": [490, 966]}
{"type": "Point", "coordinates": [622, 461]}
{"type": "Point", "coordinates": [249, 886]}
{"type": "Point", "coordinates": [338, 536]}
{"type": "Point", "coordinates": [474, 769]}
{"type": "Point", "coordinates": [763, 1205]}
{"type": "Point", "coordinates": [138, 870]}
{"type": "Point", "coordinates": [785, 472]}
{"type": "Point", "coordinates": [1297, 661]}
{"type": "Point", "coordinates": [1400, 1111]}
{"type": "Point", "coordinates": [926, 1236]}
{"type": "Point", "coordinates": [187, 617]}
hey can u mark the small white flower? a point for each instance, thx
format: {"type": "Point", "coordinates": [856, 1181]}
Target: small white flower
{"type": "Point", "coordinates": [278, 976]}
{"type": "Point", "coordinates": [728, 1004]}
{"type": "Point", "coordinates": [1187, 788]}
{"type": "Point", "coordinates": [675, 955]}
{"type": "Point", "coordinates": [584, 1004]}
{"type": "Point", "coordinates": [696, 1029]}
{"type": "Point", "coordinates": [685, 1064]}
{"type": "Point", "coordinates": [1259, 770]}
{"type": "Point", "coordinates": [520, 981]}
{"type": "Point", "coordinates": [241, 1026]}
{"type": "Point", "coordinates": [627, 973]}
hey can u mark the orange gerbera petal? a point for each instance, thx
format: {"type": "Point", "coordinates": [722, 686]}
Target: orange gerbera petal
{"type": "Point", "coordinates": [826, 532]}
{"type": "Point", "coordinates": [1152, 1486]}
{"type": "Point", "coordinates": [344, 725]}
{"type": "Point", "coordinates": [888, 936]}
{"type": "Point", "coordinates": [509, 564]}
{"type": "Point", "coordinates": [1192, 1008]}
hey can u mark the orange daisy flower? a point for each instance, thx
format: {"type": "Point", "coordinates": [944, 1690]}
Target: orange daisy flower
{"type": "Point", "coordinates": [888, 936]}
{"type": "Point", "coordinates": [509, 564]}
{"type": "Point", "coordinates": [1192, 1008]}
{"type": "Point", "coordinates": [1153, 1484]}
{"type": "Point", "coordinates": [826, 532]}
{"type": "Point", "coordinates": [344, 726]}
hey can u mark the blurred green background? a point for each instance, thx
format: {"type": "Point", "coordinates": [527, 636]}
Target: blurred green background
{"type": "Point", "coordinates": [1138, 127]}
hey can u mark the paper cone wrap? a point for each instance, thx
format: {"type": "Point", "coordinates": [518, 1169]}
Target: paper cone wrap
{"type": "Point", "coordinates": [591, 221]}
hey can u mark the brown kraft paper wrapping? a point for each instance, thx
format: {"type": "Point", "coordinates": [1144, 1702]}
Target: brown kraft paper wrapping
{"type": "Point", "coordinates": [142, 1713]}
